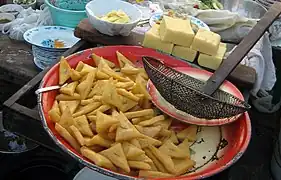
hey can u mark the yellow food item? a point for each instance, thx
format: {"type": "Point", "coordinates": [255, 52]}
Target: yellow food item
{"type": "Point", "coordinates": [72, 105]}
{"type": "Point", "coordinates": [116, 17]}
{"type": "Point", "coordinates": [172, 150]}
{"type": "Point", "coordinates": [206, 42]}
{"type": "Point", "coordinates": [64, 97]}
{"type": "Point", "coordinates": [176, 31]}
{"type": "Point", "coordinates": [154, 174]}
{"type": "Point", "coordinates": [82, 124]}
{"type": "Point", "coordinates": [131, 151]}
{"type": "Point", "coordinates": [185, 53]}
{"type": "Point", "coordinates": [55, 113]}
{"type": "Point", "coordinates": [64, 71]}
{"type": "Point", "coordinates": [149, 131]}
{"type": "Point", "coordinates": [104, 122]}
{"type": "Point", "coordinates": [123, 60]}
{"type": "Point", "coordinates": [183, 165]}
{"type": "Point", "coordinates": [97, 60]}
{"type": "Point", "coordinates": [69, 88]}
{"type": "Point", "coordinates": [67, 136]}
{"type": "Point", "coordinates": [152, 40]}
{"type": "Point", "coordinates": [212, 62]}
{"type": "Point", "coordinates": [66, 120]}
{"type": "Point", "coordinates": [77, 134]}
{"type": "Point", "coordinates": [116, 154]}
{"type": "Point", "coordinates": [85, 86]}
{"type": "Point", "coordinates": [188, 133]}
{"type": "Point", "coordinates": [98, 140]}
{"type": "Point", "coordinates": [113, 123]}
{"type": "Point", "coordinates": [139, 165]}
{"type": "Point", "coordinates": [97, 158]}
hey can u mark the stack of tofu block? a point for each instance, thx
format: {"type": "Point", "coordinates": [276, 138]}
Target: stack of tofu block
{"type": "Point", "coordinates": [175, 36]}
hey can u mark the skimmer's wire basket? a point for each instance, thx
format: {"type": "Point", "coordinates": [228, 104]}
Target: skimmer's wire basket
{"type": "Point", "coordinates": [184, 93]}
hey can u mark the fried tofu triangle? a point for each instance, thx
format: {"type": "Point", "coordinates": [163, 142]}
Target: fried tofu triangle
{"type": "Point", "coordinates": [104, 111]}
{"type": "Point", "coordinates": [139, 165]}
{"type": "Point", "coordinates": [97, 158]}
{"type": "Point", "coordinates": [66, 135]}
{"type": "Point", "coordinates": [97, 60]}
{"type": "Point", "coordinates": [117, 157]}
{"type": "Point", "coordinates": [153, 174]}
{"type": "Point", "coordinates": [189, 133]}
{"type": "Point", "coordinates": [172, 150]}
{"type": "Point", "coordinates": [64, 71]}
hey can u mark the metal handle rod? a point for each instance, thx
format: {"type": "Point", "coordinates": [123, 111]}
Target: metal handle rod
{"type": "Point", "coordinates": [242, 49]}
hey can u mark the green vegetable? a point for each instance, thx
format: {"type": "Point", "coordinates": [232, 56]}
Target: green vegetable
{"type": "Point", "coordinates": [210, 4]}
{"type": "Point", "coordinates": [3, 21]}
{"type": "Point", "coordinates": [24, 1]}
{"type": "Point", "coordinates": [203, 6]}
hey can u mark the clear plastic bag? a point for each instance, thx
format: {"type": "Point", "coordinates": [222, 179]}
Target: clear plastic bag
{"type": "Point", "coordinates": [275, 30]}
{"type": "Point", "coordinates": [27, 19]}
{"type": "Point", "coordinates": [14, 9]}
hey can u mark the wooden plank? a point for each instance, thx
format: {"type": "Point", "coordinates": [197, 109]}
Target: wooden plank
{"type": "Point", "coordinates": [242, 76]}
{"type": "Point", "coordinates": [86, 32]}
{"type": "Point", "coordinates": [16, 62]}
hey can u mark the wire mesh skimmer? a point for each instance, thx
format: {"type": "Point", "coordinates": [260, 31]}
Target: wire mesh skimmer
{"type": "Point", "coordinates": [204, 99]}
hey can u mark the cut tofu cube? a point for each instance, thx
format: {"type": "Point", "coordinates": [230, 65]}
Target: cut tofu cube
{"type": "Point", "coordinates": [212, 62]}
{"type": "Point", "coordinates": [176, 31]}
{"type": "Point", "coordinates": [152, 40]}
{"type": "Point", "coordinates": [206, 42]}
{"type": "Point", "coordinates": [185, 53]}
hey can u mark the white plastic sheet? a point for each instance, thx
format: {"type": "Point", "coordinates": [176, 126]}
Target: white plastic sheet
{"type": "Point", "coordinates": [27, 19]}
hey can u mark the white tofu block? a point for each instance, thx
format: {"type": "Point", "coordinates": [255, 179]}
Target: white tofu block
{"type": "Point", "coordinates": [152, 40]}
{"type": "Point", "coordinates": [212, 62]}
{"type": "Point", "coordinates": [185, 53]}
{"type": "Point", "coordinates": [206, 42]}
{"type": "Point", "coordinates": [176, 31]}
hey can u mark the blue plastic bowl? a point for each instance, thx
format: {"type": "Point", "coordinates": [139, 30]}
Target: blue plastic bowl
{"type": "Point", "coordinates": [67, 13]}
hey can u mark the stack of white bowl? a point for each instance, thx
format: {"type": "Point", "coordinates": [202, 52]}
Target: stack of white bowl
{"type": "Point", "coordinates": [49, 43]}
{"type": "Point", "coordinates": [44, 57]}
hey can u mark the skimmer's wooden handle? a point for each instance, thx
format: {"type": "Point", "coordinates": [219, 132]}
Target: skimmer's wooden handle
{"type": "Point", "coordinates": [242, 49]}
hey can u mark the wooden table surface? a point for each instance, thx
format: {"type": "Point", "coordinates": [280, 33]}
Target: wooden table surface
{"type": "Point", "coordinates": [16, 61]}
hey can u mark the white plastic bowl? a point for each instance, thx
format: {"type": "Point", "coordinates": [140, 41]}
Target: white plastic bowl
{"type": "Point", "coordinates": [98, 8]}
{"type": "Point", "coordinates": [8, 16]}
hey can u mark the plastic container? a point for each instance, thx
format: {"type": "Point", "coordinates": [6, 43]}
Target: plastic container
{"type": "Point", "coordinates": [5, 16]}
{"type": "Point", "coordinates": [97, 8]}
{"type": "Point", "coordinates": [67, 13]}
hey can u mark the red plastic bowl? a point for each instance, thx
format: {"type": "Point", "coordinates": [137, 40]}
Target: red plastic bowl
{"type": "Point", "coordinates": [209, 155]}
